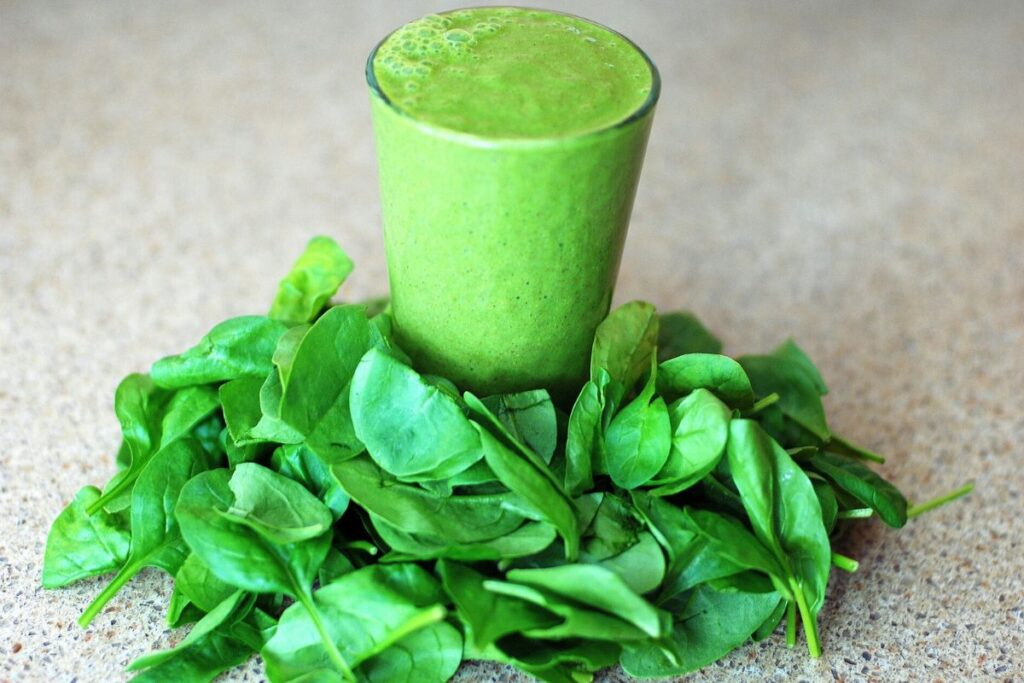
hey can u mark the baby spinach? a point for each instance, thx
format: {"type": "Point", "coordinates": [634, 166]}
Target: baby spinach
{"type": "Point", "coordinates": [699, 430]}
{"type": "Point", "coordinates": [411, 428]}
{"type": "Point", "coordinates": [529, 416]}
{"type": "Point", "coordinates": [156, 540]}
{"type": "Point", "coordinates": [239, 347]}
{"type": "Point", "coordinates": [864, 485]}
{"type": "Point", "coordinates": [681, 333]}
{"type": "Point", "coordinates": [638, 438]}
{"type": "Point", "coordinates": [788, 372]}
{"type": "Point", "coordinates": [315, 277]}
{"type": "Point", "coordinates": [720, 375]}
{"type": "Point", "coordinates": [624, 342]}
{"type": "Point", "coordinates": [81, 545]}
{"type": "Point", "coordinates": [786, 516]}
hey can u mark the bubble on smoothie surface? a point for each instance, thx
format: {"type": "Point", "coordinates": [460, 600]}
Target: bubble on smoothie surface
{"type": "Point", "coordinates": [509, 72]}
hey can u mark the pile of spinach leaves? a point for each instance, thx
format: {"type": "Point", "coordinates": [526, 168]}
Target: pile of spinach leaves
{"type": "Point", "coordinates": [321, 503]}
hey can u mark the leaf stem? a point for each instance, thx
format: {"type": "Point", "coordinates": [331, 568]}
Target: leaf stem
{"type": "Point", "coordinates": [855, 513]}
{"type": "Point", "coordinates": [808, 620]}
{"type": "Point", "coordinates": [941, 500]}
{"type": "Point", "coordinates": [306, 598]}
{"type": "Point", "coordinates": [790, 624]}
{"type": "Point", "coordinates": [846, 448]}
{"type": "Point", "coordinates": [122, 577]}
{"type": "Point", "coordinates": [769, 400]}
{"type": "Point", "coordinates": [847, 564]}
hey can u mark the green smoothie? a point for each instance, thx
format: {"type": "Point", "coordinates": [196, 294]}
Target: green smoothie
{"type": "Point", "coordinates": [510, 143]}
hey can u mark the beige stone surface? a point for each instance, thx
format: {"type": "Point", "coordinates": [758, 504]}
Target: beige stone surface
{"type": "Point", "coordinates": [851, 174]}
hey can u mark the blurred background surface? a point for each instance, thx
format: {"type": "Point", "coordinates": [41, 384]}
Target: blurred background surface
{"type": "Point", "coordinates": [851, 174]}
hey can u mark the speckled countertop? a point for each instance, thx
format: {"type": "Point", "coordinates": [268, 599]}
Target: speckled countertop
{"type": "Point", "coordinates": [849, 174]}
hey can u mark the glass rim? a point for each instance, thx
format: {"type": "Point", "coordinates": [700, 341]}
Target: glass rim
{"type": "Point", "coordinates": [489, 140]}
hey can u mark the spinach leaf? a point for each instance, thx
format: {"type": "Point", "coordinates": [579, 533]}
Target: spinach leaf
{"type": "Point", "coordinates": [242, 400]}
{"type": "Point", "coordinates": [864, 485]}
{"type": "Point", "coordinates": [534, 484]}
{"type": "Point", "coordinates": [204, 660]}
{"type": "Point", "coordinates": [315, 398]}
{"type": "Point", "coordinates": [411, 429]}
{"type": "Point", "coordinates": [155, 540]}
{"type": "Point", "coordinates": [786, 516]}
{"type": "Point", "coordinates": [274, 506]}
{"type": "Point", "coordinates": [200, 585]}
{"type": "Point", "coordinates": [575, 620]}
{"type": "Point", "coordinates": [680, 333]}
{"type": "Point", "coordinates": [624, 342]}
{"type": "Point", "coordinates": [527, 540]}
{"type": "Point", "coordinates": [456, 519]}
{"type": "Point", "coordinates": [529, 416]}
{"type": "Point", "coordinates": [151, 425]}
{"type": "Point", "coordinates": [713, 624]}
{"type": "Point", "coordinates": [427, 655]}
{"type": "Point", "coordinates": [81, 545]}
{"type": "Point", "coordinates": [720, 375]}
{"type": "Point", "coordinates": [700, 428]}
{"type": "Point", "coordinates": [239, 347]}
{"type": "Point", "coordinates": [641, 566]}
{"type": "Point", "coordinates": [313, 280]}
{"type": "Point", "coordinates": [638, 438]}
{"type": "Point", "coordinates": [234, 608]}
{"type": "Point", "coordinates": [302, 464]}
{"type": "Point", "coordinates": [596, 587]}
{"type": "Point", "coordinates": [364, 613]}
{"type": "Point", "coordinates": [488, 616]}
{"type": "Point", "coordinates": [241, 555]}
{"type": "Point", "coordinates": [585, 434]}
{"type": "Point", "coordinates": [788, 372]}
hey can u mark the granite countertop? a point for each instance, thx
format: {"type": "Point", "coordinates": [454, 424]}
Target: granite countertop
{"type": "Point", "coordinates": [851, 174]}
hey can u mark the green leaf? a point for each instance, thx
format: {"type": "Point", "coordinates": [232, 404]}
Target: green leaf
{"type": "Point", "coordinates": [595, 587]}
{"type": "Point", "coordinates": [210, 656]}
{"type": "Point", "coordinates": [624, 342]}
{"type": "Point", "coordinates": [576, 620]}
{"type": "Point", "coordinates": [456, 519]}
{"type": "Point", "coordinates": [237, 554]}
{"type": "Point", "coordinates": [315, 399]}
{"type": "Point", "coordinates": [364, 613]}
{"type": "Point", "coordinates": [488, 616]}
{"type": "Point", "coordinates": [302, 464]}
{"type": "Point", "coordinates": [534, 484]}
{"type": "Point", "coordinates": [150, 418]}
{"type": "Point", "coordinates": [529, 416]}
{"type": "Point", "coordinates": [238, 347]}
{"type": "Point", "coordinates": [788, 372]}
{"type": "Point", "coordinates": [638, 439]}
{"type": "Point", "coordinates": [864, 485]}
{"type": "Point", "coordinates": [713, 624]}
{"type": "Point", "coordinates": [155, 540]}
{"type": "Point", "coordinates": [200, 585]}
{"type": "Point", "coordinates": [720, 375]}
{"type": "Point", "coordinates": [700, 428]}
{"type": "Point", "coordinates": [585, 435]}
{"type": "Point", "coordinates": [313, 280]}
{"type": "Point", "coordinates": [529, 539]}
{"type": "Point", "coordinates": [428, 655]}
{"type": "Point", "coordinates": [681, 333]}
{"type": "Point", "coordinates": [785, 514]}
{"type": "Point", "coordinates": [234, 608]}
{"type": "Point", "coordinates": [274, 506]}
{"type": "Point", "coordinates": [81, 545]}
{"type": "Point", "coordinates": [641, 566]}
{"type": "Point", "coordinates": [411, 428]}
